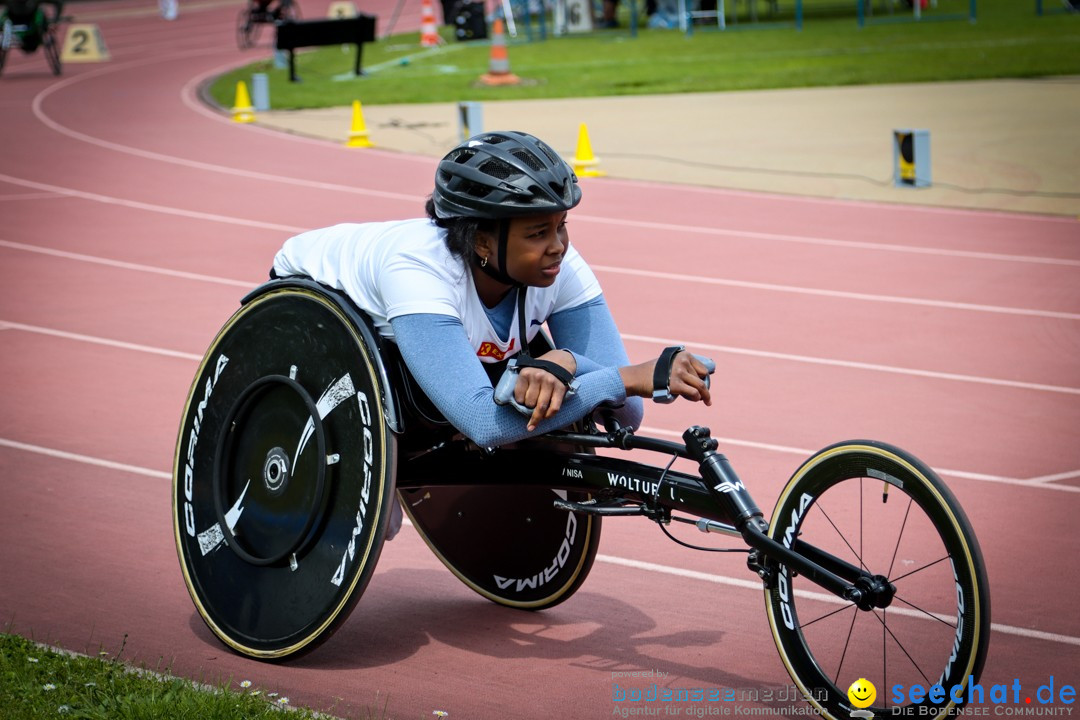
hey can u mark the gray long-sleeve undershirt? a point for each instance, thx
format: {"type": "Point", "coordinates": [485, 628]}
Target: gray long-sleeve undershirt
{"type": "Point", "coordinates": [440, 357]}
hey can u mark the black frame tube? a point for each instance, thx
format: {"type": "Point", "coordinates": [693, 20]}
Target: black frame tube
{"type": "Point", "coordinates": [555, 461]}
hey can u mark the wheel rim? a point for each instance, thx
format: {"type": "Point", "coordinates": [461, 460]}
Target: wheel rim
{"type": "Point", "coordinates": [931, 631]}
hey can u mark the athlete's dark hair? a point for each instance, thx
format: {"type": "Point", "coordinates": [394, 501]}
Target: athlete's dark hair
{"type": "Point", "coordinates": [460, 231]}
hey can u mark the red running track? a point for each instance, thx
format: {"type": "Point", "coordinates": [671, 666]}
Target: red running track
{"type": "Point", "coordinates": [134, 219]}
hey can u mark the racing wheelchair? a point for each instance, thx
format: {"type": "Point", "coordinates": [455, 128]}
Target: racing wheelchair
{"type": "Point", "coordinates": [257, 13]}
{"type": "Point", "coordinates": [26, 24]}
{"type": "Point", "coordinates": [303, 427]}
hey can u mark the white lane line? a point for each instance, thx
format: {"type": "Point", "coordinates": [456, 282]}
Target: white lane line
{"type": "Point", "coordinates": [185, 162]}
{"type": "Point", "coordinates": [1054, 478]}
{"type": "Point", "coordinates": [85, 459]}
{"type": "Point", "coordinates": [610, 559]}
{"type": "Point", "coordinates": [6, 325]}
{"type": "Point", "coordinates": [134, 204]}
{"type": "Point", "coordinates": [187, 96]}
{"type": "Point", "coordinates": [805, 453]}
{"type": "Point", "coordinates": [802, 452]}
{"type": "Point", "coordinates": [28, 196]}
{"type": "Point", "coordinates": [858, 365]}
{"type": "Point", "coordinates": [811, 240]}
{"type": "Point", "coordinates": [126, 265]}
{"type": "Point", "coordinates": [811, 595]}
{"type": "Point", "coordinates": [773, 287]}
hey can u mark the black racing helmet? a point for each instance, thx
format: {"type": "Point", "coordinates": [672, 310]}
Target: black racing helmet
{"type": "Point", "coordinates": [501, 175]}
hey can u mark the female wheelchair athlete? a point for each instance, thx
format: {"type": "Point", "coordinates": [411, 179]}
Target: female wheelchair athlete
{"type": "Point", "coordinates": [303, 426]}
{"type": "Point", "coordinates": [26, 24]}
{"type": "Point", "coordinates": [257, 13]}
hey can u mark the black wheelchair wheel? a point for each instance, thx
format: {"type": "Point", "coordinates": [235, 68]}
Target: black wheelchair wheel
{"type": "Point", "coordinates": [3, 58]}
{"type": "Point", "coordinates": [507, 543]}
{"type": "Point", "coordinates": [52, 52]}
{"type": "Point", "coordinates": [246, 30]}
{"type": "Point", "coordinates": [884, 511]}
{"type": "Point", "coordinates": [284, 475]}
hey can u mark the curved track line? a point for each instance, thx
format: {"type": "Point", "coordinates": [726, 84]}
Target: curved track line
{"type": "Point", "coordinates": [962, 474]}
{"type": "Point", "coordinates": [741, 583]}
{"type": "Point", "coordinates": [810, 240]}
{"type": "Point", "coordinates": [875, 204]}
{"type": "Point", "coordinates": [79, 337]}
{"type": "Point", "coordinates": [124, 265]}
{"type": "Point", "coordinates": [860, 365]}
{"type": "Point", "coordinates": [85, 459]}
{"type": "Point", "coordinates": [823, 597]}
{"type": "Point", "coordinates": [184, 162]}
{"type": "Point", "coordinates": [109, 200]}
{"type": "Point", "coordinates": [37, 329]}
{"type": "Point", "coordinates": [188, 98]}
{"type": "Point", "coordinates": [896, 299]}
{"type": "Point", "coordinates": [626, 336]}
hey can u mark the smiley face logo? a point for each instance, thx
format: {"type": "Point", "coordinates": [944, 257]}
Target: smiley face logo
{"type": "Point", "coordinates": [862, 693]}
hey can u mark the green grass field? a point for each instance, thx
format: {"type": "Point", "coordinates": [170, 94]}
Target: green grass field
{"type": "Point", "coordinates": [1007, 40]}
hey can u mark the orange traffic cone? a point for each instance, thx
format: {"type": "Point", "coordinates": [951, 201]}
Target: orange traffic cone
{"type": "Point", "coordinates": [429, 31]}
{"type": "Point", "coordinates": [242, 111]}
{"type": "Point", "coordinates": [358, 134]}
{"type": "Point", "coordinates": [584, 162]}
{"type": "Point", "coordinates": [499, 66]}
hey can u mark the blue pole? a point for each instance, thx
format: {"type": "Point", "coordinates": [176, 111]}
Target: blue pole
{"type": "Point", "coordinates": [798, 14]}
{"type": "Point", "coordinates": [859, 12]}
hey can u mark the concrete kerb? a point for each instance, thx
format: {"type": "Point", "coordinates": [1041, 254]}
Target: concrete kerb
{"type": "Point", "coordinates": [996, 145]}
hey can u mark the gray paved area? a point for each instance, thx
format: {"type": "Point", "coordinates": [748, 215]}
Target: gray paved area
{"type": "Point", "coordinates": [1009, 145]}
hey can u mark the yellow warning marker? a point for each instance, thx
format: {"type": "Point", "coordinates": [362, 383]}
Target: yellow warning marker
{"type": "Point", "coordinates": [341, 10]}
{"type": "Point", "coordinates": [584, 162]}
{"type": "Point", "coordinates": [358, 134]}
{"type": "Point", "coordinates": [242, 111]}
{"type": "Point", "coordinates": [83, 42]}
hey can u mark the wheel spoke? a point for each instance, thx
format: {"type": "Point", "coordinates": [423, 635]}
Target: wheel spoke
{"type": "Point", "coordinates": [846, 643]}
{"type": "Point", "coordinates": [902, 648]}
{"type": "Point", "coordinates": [842, 537]}
{"type": "Point", "coordinates": [925, 612]}
{"type": "Point", "coordinates": [919, 569]}
{"type": "Point", "coordinates": [828, 614]}
{"type": "Point", "coordinates": [896, 549]}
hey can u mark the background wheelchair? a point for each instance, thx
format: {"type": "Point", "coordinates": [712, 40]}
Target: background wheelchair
{"type": "Point", "coordinates": [258, 13]}
{"type": "Point", "coordinates": [303, 426]}
{"type": "Point", "coordinates": [28, 24]}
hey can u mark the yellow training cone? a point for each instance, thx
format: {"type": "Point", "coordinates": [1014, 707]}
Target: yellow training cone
{"type": "Point", "coordinates": [584, 162]}
{"type": "Point", "coordinates": [358, 135]}
{"type": "Point", "coordinates": [242, 111]}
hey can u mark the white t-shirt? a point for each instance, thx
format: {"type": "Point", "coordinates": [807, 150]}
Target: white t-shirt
{"type": "Point", "coordinates": [399, 268]}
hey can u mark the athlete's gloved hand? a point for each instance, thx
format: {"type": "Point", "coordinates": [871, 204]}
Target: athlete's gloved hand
{"type": "Point", "coordinates": [542, 391]}
{"type": "Point", "coordinates": [688, 378]}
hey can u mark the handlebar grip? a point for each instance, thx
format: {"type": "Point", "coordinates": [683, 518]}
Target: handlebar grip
{"type": "Point", "coordinates": [504, 389]}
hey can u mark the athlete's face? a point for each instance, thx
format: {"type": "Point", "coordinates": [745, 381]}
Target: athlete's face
{"type": "Point", "coordinates": [534, 248]}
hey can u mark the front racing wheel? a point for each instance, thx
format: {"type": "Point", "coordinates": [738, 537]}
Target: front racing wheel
{"type": "Point", "coordinates": [886, 513]}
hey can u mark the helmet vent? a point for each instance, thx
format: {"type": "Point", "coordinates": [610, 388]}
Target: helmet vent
{"type": "Point", "coordinates": [498, 169]}
{"type": "Point", "coordinates": [529, 159]}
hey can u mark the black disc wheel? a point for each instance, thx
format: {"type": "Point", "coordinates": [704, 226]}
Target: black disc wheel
{"type": "Point", "coordinates": [284, 475]}
{"type": "Point", "coordinates": [881, 519]}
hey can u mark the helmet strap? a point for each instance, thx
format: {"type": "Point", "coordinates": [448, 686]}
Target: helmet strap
{"type": "Point", "coordinates": [499, 273]}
